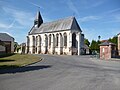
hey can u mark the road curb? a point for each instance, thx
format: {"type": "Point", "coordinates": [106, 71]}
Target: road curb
{"type": "Point", "coordinates": [33, 63]}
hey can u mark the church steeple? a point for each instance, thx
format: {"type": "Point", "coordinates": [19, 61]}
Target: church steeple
{"type": "Point", "coordinates": [38, 20]}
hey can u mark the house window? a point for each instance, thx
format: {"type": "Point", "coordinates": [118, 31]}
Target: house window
{"type": "Point", "coordinates": [65, 39]}
{"type": "Point", "coordinates": [74, 40]}
{"type": "Point", "coordinates": [103, 50]}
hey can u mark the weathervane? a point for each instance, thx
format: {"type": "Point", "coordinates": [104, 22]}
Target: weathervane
{"type": "Point", "coordinates": [38, 7]}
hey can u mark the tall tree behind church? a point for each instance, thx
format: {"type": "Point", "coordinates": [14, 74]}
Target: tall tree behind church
{"type": "Point", "coordinates": [86, 41]}
{"type": "Point", "coordinates": [114, 40]}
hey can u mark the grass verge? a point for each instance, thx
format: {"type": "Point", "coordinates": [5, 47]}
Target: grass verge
{"type": "Point", "coordinates": [17, 60]}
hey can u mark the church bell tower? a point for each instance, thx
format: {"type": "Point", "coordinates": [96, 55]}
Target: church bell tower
{"type": "Point", "coordinates": [38, 20]}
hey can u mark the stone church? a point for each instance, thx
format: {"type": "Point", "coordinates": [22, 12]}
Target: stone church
{"type": "Point", "coordinates": [63, 36]}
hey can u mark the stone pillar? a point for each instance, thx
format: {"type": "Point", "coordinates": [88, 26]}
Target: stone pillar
{"type": "Point", "coordinates": [79, 43]}
{"type": "Point", "coordinates": [37, 50]}
{"type": "Point", "coordinates": [52, 44]}
{"type": "Point", "coordinates": [42, 48]}
{"type": "Point", "coordinates": [26, 50]}
{"type": "Point", "coordinates": [31, 46]}
{"type": "Point", "coordinates": [45, 44]}
{"type": "Point", "coordinates": [70, 43]}
{"type": "Point", "coordinates": [27, 45]}
{"type": "Point", "coordinates": [49, 45]}
{"type": "Point", "coordinates": [58, 49]}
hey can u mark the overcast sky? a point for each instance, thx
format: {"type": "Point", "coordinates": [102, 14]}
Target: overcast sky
{"type": "Point", "coordinates": [95, 17]}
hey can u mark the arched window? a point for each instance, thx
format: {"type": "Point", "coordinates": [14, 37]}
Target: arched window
{"type": "Point", "coordinates": [33, 44]}
{"type": "Point", "coordinates": [74, 40]}
{"type": "Point", "coordinates": [50, 40]}
{"type": "Point", "coordinates": [46, 40]}
{"type": "Point", "coordinates": [33, 40]}
{"type": "Point", "coordinates": [57, 38]}
{"type": "Point", "coordinates": [28, 41]}
{"type": "Point", "coordinates": [65, 39]}
{"type": "Point", "coordinates": [28, 44]}
{"type": "Point", "coordinates": [37, 41]}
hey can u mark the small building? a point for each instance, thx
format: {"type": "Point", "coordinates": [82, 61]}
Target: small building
{"type": "Point", "coordinates": [119, 44]}
{"type": "Point", "coordinates": [86, 49]}
{"type": "Point", "coordinates": [7, 45]}
{"type": "Point", "coordinates": [107, 50]}
{"type": "Point", "coordinates": [63, 36]}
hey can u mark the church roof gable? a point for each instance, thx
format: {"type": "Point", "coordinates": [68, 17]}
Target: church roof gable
{"type": "Point", "coordinates": [59, 25]}
{"type": "Point", "coordinates": [75, 25]}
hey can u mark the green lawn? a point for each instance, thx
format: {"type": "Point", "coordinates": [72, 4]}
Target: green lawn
{"type": "Point", "coordinates": [17, 60]}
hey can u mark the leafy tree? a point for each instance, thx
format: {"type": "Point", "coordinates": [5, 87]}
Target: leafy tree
{"type": "Point", "coordinates": [95, 46]}
{"type": "Point", "coordinates": [114, 40]}
{"type": "Point", "coordinates": [16, 46]}
{"type": "Point", "coordinates": [92, 46]}
{"type": "Point", "coordinates": [86, 42]}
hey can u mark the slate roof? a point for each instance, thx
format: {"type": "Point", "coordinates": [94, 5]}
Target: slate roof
{"type": "Point", "coordinates": [106, 43]}
{"type": "Point", "coordinates": [58, 25]}
{"type": "Point", "coordinates": [5, 37]}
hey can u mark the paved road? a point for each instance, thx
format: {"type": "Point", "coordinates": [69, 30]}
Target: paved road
{"type": "Point", "coordinates": [64, 73]}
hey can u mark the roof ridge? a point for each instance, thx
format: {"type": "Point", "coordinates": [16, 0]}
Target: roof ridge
{"type": "Point", "coordinates": [61, 19]}
{"type": "Point", "coordinates": [8, 35]}
{"type": "Point", "coordinates": [107, 43]}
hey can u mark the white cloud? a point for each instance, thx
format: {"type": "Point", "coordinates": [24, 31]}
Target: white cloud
{"type": "Point", "coordinates": [98, 3]}
{"type": "Point", "coordinates": [17, 23]}
{"type": "Point", "coordinates": [112, 11]}
{"type": "Point", "coordinates": [34, 4]}
{"type": "Point", "coordinates": [72, 7]}
{"type": "Point", "coordinates": [21, 17]}
{"type": "Point", "coordinates": [6, 25]}
{"type": "Point", "coordinates": [117, 17]}
{"type": "Point", "coordinates": [90, 34]}
{"type": "Point", "coordinates": [11, 25]}
{"type": "Point", "coordinates": [91, 3]}
{"type": "Point", "coordinates": [89, 18]}
{"type": "Point", "coordinates": [114, 18]}
{"type": "Point", "coordinates": [3, 25]}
